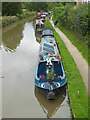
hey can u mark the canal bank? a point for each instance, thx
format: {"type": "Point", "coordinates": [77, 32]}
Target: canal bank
{"type": "Point", "coordinates": [6, 20]}
{"type": "Point", "coordinates": [20, 51]}
{"type": "Point", "coordinates": [79, 104]}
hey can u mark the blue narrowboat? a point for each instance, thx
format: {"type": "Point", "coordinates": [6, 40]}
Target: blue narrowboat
{"type": "Point", "coordinates": [50, 74]}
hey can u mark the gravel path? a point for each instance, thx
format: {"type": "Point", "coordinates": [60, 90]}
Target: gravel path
{"type": "Point", "coordinates": [81, 63]}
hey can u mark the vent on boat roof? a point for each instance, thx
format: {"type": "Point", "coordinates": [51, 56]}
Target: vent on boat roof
{"type": "Point", "coordinates": [47, 32]}
{"type": "Point", "coordinates": [48, 50]}
{"type": "Point", "coordinates": [49, 46]}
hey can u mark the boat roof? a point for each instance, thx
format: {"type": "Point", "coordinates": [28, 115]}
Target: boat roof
{"type": "Point", "coordinates": [39, 13]}
{"type": "Point", "coordinates": [47, 46]}
{"type": "Point", "coordinates": [47, 32]}
{"type": "Point", "coordinates": [43, 15]}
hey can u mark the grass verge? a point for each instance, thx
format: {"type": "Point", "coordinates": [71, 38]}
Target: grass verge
{"type": "Point", "coordinates": [79, 105]}
{"type": "Point", "coordinates": [75, 41]}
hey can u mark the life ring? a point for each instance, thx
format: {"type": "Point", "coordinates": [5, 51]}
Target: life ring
{"type": "Point", "coordinates": [59, 76]}
{"type": "Point", "coordinates": [42, 76]}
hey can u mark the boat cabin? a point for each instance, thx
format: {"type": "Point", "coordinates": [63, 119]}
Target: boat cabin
{"type": "Point", "coordinates": [47, 32]}
{"type": "Point", "coordinates": [49, 72]}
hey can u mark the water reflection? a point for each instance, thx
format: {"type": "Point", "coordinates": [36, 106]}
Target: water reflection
{"type": "Point", "coordinates": [50, 106]}
{"type": "Point", "coordinates": [12, 38]}
{"type": "Point", "coordinates": [38, 37]}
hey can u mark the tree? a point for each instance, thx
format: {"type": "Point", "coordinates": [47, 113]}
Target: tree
{"type": "Point", "coordinates": [37, 6]}
{"type": "Point", "coordinates": [11, 8]}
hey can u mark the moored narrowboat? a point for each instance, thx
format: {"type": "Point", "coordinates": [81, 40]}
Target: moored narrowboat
{"type": "Point", "coordinates": [39, 25]}
{"type": "Point", "coordinates": [50, 74]}
{"type": "Point", "coordinates": [46, 13]}
{"type": "Point", "coordinates": [43, 18]}
{"type": "Point", "coordinates": [38, 15]}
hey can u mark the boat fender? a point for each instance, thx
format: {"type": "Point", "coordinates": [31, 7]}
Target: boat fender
{"type": "Point", "coordinates": [53, 82]}
{"type": "Point", "coordinates": [40, 55]}
{"type": "Point", "coordinates": [39, 60]}
{"type": "Point", "coordinates": [59, 61]}
{"type": "Point", "coordinates": [47, 82]}
{"type": "Point", "coordinates": [51, 88]}
{"type": "Point", "coordinates": [54, 44]}
{"type": "Point", "coordinates": [59, 76]}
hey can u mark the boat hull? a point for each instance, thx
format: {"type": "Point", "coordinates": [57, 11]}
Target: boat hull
{"type": "Point", "coordinates": [51, 94]}
{"type": "Point", "coordinates": [39, 30]}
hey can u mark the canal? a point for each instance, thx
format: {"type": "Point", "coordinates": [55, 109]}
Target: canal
{"type": "Point", "coordinates": [20, 99]}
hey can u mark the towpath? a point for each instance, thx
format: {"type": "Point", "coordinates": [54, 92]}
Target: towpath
{"type": "Point", "coordinates": [81, 63]}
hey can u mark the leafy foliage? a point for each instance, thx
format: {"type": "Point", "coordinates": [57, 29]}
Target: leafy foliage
{"type": "Point", "coordinates": [10, 19]}
{"type": "Point", "coordinates": [50, 75]}
{"type": "Point", "coordinates": [11, 8]}
{"type": "Point", "coordinates": [36, 6]}
{"type": "Point", "coordinates": [73, 18]}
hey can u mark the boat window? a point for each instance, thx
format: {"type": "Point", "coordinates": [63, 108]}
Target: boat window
{"type": "Point", "coordinates": [48, 37]}
{"type": "Point", "coordinates": [49, 50]}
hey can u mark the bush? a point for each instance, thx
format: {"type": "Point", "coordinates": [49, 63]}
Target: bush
{"type": "Point", "coordinates": [20, 16]}
{"type": "Point", "coordinates": [36, 6]}
{"type": "Point", "coordinates": [9, 19]}
{"type": "Point", "coordinates": [11, 8]}
{"type": "Point", "coordinates": [81, 20]}
{"type": "Point", "coordinates": [73, 18]}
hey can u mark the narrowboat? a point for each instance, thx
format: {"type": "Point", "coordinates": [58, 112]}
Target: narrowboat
{"type": "Point", "coordinates": [43, 18]}
{"type": "Point", "coordinates": [50, 74]}
{"type": "Point", "coordinates": [39, 25]}
{"type": "Point", "coordinates": [38, 15]}
{"type": "Point", "coordinates": [46, 13]}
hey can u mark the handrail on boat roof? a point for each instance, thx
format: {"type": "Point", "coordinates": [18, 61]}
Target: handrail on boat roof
{"type": "Point", "coordinates": [48, 33]}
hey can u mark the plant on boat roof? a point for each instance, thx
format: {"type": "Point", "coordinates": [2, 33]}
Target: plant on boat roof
{"type": "Point", "coordinates": [50, 76]}
{"type": "Point", "coordinates": [57, 54]}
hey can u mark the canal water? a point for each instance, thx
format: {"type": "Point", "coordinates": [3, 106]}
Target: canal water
{"type": "Point", "coordinates": [20, 99]}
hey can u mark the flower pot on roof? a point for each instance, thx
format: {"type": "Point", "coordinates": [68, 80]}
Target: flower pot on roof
{"type": "Point", "coordinates": [50, 76]}
{"type": "Point", "coordinates": [57, 56]}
